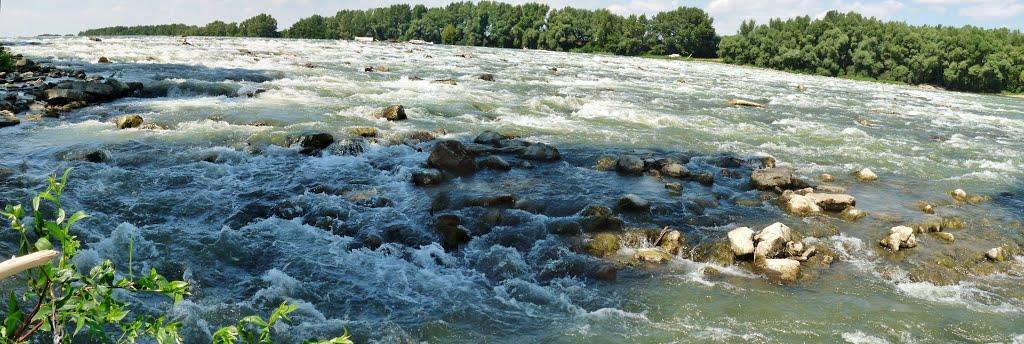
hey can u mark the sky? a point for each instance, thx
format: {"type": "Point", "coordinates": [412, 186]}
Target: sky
{"type": "Point", "coordinates": [33, 17]}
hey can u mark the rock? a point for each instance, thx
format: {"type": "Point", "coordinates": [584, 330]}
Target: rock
{"type": "Point", "coordinates": [675, 170]}
{"type": "Point", "coordinates": [899, 237]}
{"type": "Point", "coordinates": [605, 273]}
{"type": "Point", "coordinates": [445, 82]}
{"type": "Point", "coordinates": [428, 176]}
{"type": "Point", "coordinates": [741, 241]}
{"type": "Point", "coordinates": [652, 255]}
{"type": "Point", "coordinates": [830, 189]}
{"type": "Point", "coordinates": [490, 138]}
{"type": "Point", "coordinates": [798, 205]}
{"type": "Point", "coordinates": [705, 178]}
{"type": "Point", "coordinates": [746, 103]}
{"type": "Point", "coordinates": [63, 96]}
{"type": "Point", "coordinates": [670, 241]}
{"type": "Point", "coordinates": [629, 165]}
{"type": "Point", "coordinates": [632, 202]}
{"type": "Point", "coordinates": [364, 131]}
{"type": "Point", "coordinates": [486, 77]}
{"type": "Point", "coordinates": [760, 162]}
{"type": "Point", "coordinates": [596, 218]}
{"type": "Point", "coordinates": [128, 121]}
{"type": "Point", "coordinates": [996, 254]}
{"type": "Point", "coordinates": [495, 162]}
{"type": "Point", "coordinates": [810, 251]}
{"type": "Point", "coordinates": [603, 245]}
{"type": "Point", "coordinates": [771, 242]}
{"type": "Point", "coordinates": [826, 178]}
{"type": "Point", "coordinates": [8, 119]}
{"type": "Point", "coordinates": [674, 187]}
{"type": "Point", "coordinates": [945, 236]}
{"type": "Point", "coordinates": [959, 195]}
{"type": "Point", "coordinates": [452, 234]}
{"type": "Point", "coordinates": [783, 270]}
{"type": "Point", "coordinates": [771, 178]}
{"type": "Point", "coordinates": [24, 65]}
{"type": "Point", "coordinates": [103, 59]}
{"type": "Point", "coordinates": [391, 113]}
{"type": "Point", "coordinates": [311, 144]}
{"type": "Point", "coordinates": [852, 214]}
{"type": "Point", "coordinates": [605, 163]}
{"type": "Point", "coordinates": [452, 156]}
{"type": "Point", "coordinates": [540, 152]}
{"type": "Point", "coordinates": [832, 202]}
{"type": "Point", "coordinates": [93, 156]}
{"type": "Point", "coordinates": [564, 226]}
{"type": "Point", "coordinates": [927, 208]}
{"type": "Point", "coordinates": [865, 175]}
{"type": "Point", "coordinates": [794, 248]}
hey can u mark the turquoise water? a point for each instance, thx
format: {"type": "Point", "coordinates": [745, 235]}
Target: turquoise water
{"type": "Point", "coordinates": [217, 202]}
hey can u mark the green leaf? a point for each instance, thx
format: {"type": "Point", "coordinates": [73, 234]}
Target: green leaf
{"type": "Point", "coordinates": [43, 244]}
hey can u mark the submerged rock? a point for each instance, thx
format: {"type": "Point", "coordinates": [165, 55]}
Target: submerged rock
{"type": "Point", "coordinates": [865, 175]}
{"type": "Point", "coordinates": [652, 255]}
{"type": "Point", "coordinates": [632, 202]}
{"type": "Point", "coordinates": [128, 121]}
{"type": "Point", "coordinates": [391, 113]}
{"type": "Point", "coordinates": [364, 131]}
{"type": "Point", "coordinates": [312, 144]}
{"type": "Point", "coordinates": [603, 245]}
{"type": "Point", "coordinates": [490, 138]}
{"type": "Point", "coordinates": [675, 170]}
{"type": "Point", "coordinates": [852, 214]}
{"type": "Point", "coordinates": [486, 77]}
{"type": "Point", "coordinates": [899, 237]}
{"type": "Point", "coordinates": [452, 156]}
{"type": "Point", "coordinates": [449, 228]}
{"type": "Point", "coordinates": [596, 218]}
{"type": "Point", "coordinates": [741, 241]}
{"type": "Point", "coordinates": [746, 103]}
{"type": "Point", "coordinates": [945, 236]}
{"type": "Point", "coordinates": [427, 176]}
{"type": "Point", "coordinates": [826, 178]}
{"type": "Point", "coordinates": [677, 187]}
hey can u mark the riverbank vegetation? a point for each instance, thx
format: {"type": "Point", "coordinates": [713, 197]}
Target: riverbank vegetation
{"type": "Point", "coordinates": [839, 44]}
{"type": "Point", "coordinates": [6, 61]}
{"type": "Point", "coordinates": [851, 45]}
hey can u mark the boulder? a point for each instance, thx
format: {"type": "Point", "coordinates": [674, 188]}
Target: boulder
{"type": "Point", "coordinates": [771, 178]}
{"type": "Point", "coordinates": [783, 270]}
{"type": "Point", "coordinates": [391, 113]}
{"type": "Point", "coordinates": [103, 59]}
{"type": "Point", "coordinates": [128, 121]}
{"type": "Point", "coordinates": [746, 103]}
{"type": "Point", "coordinates": [596, 218]}
{"type": "Point", "coordinates": [486, 77]}
{"type": "Point", "coordinates": [945, 236]}
{"type": "Point", "coordinates": [603, 245]}
{"type": "Point", "coordinates": [632, 202]}
{"type": "Point", "coordinates": [652, 255]}
{"type": "Point", "coordinates": [24, 65]}
{"type": "Point", "coordinates": [629, 165]}
{"type": "Point", "coordinates": [794, 248]}
{"type": "Point", "coordinates": [959, 195]}
{"type": "Point", "coordinates": [452, 156]}
{"type": "Point", "coordinates": [670, 241]}
{"type": "Point", "coordinates": [93, 156]}
{"type": "Point", "coordinates": [996, 254]}
{"type": "Point", "coordinates": [427, 176]}
{"type": "Point", "coordinates": [832, 202]}
{"type": "Point", "coordinates": [771, 242]}
{"type": "Point", "coordinates": [899, 237]}
{"type": "Point", "coordinates": [490, 138]}
{"type": "Point", "coordinates": [798, 205]}
{"type": "Point", "coordinates": [8, 119]}
{"type": "Point", "coordinates": [926, 207]}
{"type": "Point", "coordinates": [495, 162]}
{"type": "Point", "coordinates": [741, 241]}
{"type": "Point", "coordinates": [605, 163]}
{"type": "Point", "coordinates": [58, 96]}
{"type": "Point", "coordinates": [311, 144]}
{"type": "Point", "coordinates": [826, 178]}
{"type": "Point", "coordinates": [865, 175]}
{"type": "Point", "coordinates": [450, 229]}
{"type": "Point", "coordinates": [540, 152]}
{"type": "Point", "coordinates": [675, 170]}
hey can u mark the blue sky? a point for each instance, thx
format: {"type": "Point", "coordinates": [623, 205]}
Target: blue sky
{"type": "Point", "coordinates": [32, 17]}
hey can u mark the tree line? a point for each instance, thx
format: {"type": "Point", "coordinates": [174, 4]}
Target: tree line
{"type": "Point", "coordinates": [686, 31]}
{"type": "Point", "coordinates": [850, 45]}
{"type": "Point", "coordinates": [839, 44]}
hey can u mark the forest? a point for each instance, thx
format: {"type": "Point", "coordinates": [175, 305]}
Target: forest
{"type": "Point", "coordinates": [839, 44]}
{"type": "Point", "coordinates": [850, 45]}
{"type": "Point", "coordinates": [685, 31]}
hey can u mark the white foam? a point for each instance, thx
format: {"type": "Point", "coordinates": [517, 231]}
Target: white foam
{"type": "Point", "coordinates": [860, 337]}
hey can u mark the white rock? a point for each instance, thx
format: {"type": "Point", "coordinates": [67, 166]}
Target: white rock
{"type": "Point", "coordinates": [798, 205]}
{"type": "Point", "coordinates": [865, 175]}
{"type": "Point", "coordinates": [794, 248]}
{"type": "Point", "coordinates": [899, 237]}
{"type": "Point", "coordinates": [959, 194]}
{"type": "Point", "coordinates": [832, 202]}
{"type": "Point", "coordinates": [741, 241]}
{"type": "Point", "coordinates": [995, 254]}
{"type": "Point", "coordinates": [785, 270]}
{"type": "Point", "coordinates": [771, 242]}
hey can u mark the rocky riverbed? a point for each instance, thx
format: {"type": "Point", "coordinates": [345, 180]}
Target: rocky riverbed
{"type": "Point", "coordinates": [445, 194]}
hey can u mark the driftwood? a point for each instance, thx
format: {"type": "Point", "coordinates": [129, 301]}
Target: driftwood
{"type": "Point", "coordinates": [16, 265]}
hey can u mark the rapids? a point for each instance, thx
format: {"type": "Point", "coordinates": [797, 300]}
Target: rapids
{"type": "Point", "coordinates": [219, 203]}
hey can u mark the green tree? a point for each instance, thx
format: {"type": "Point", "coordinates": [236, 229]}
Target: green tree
{"type": "Point", "coordinates": [261, 25]}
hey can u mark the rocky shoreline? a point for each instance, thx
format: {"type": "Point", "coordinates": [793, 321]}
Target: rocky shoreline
{"type": "Point", "coordinates": [37, 91]}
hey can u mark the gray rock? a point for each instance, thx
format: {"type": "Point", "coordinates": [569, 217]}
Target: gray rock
{"type": "Point", "coordinates": [629, 165]}
{"type": "Point", "coordinates": [771, 178]}
{"type": "Point", "coordinates": [495, 162]}
{"type": "Point", "coordinates": [427, 176]}
{"type": "Point", "coordinates": [391, 113]}
{"type": "Point", "coordinates": [8, 119]}
{"type": "Point", "coordinates": [633, 202]}
{"type": "Point", "coordinates": [675, 170]}
{"type": "Point", "coordinates": [490, 138]}
{"type": "Point", "coordinates": [452, 156]}
{"type": "Point", "coordinates": [832, 202]}
{"type": "Point", "coordinates": [312, 144]}
{"type": "Point", "coordinates": [128, 121]}
{"type": "Point", "coordinates": [540, 152]}
{"type": "Point", "coordinates": [449, 228]}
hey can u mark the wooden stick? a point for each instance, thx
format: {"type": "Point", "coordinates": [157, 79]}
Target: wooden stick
{"type": "Point", "coordinates": [16, 265]}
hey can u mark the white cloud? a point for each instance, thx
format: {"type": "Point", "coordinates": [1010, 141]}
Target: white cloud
{"type": "Point", "coordinates": [647, 7]}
